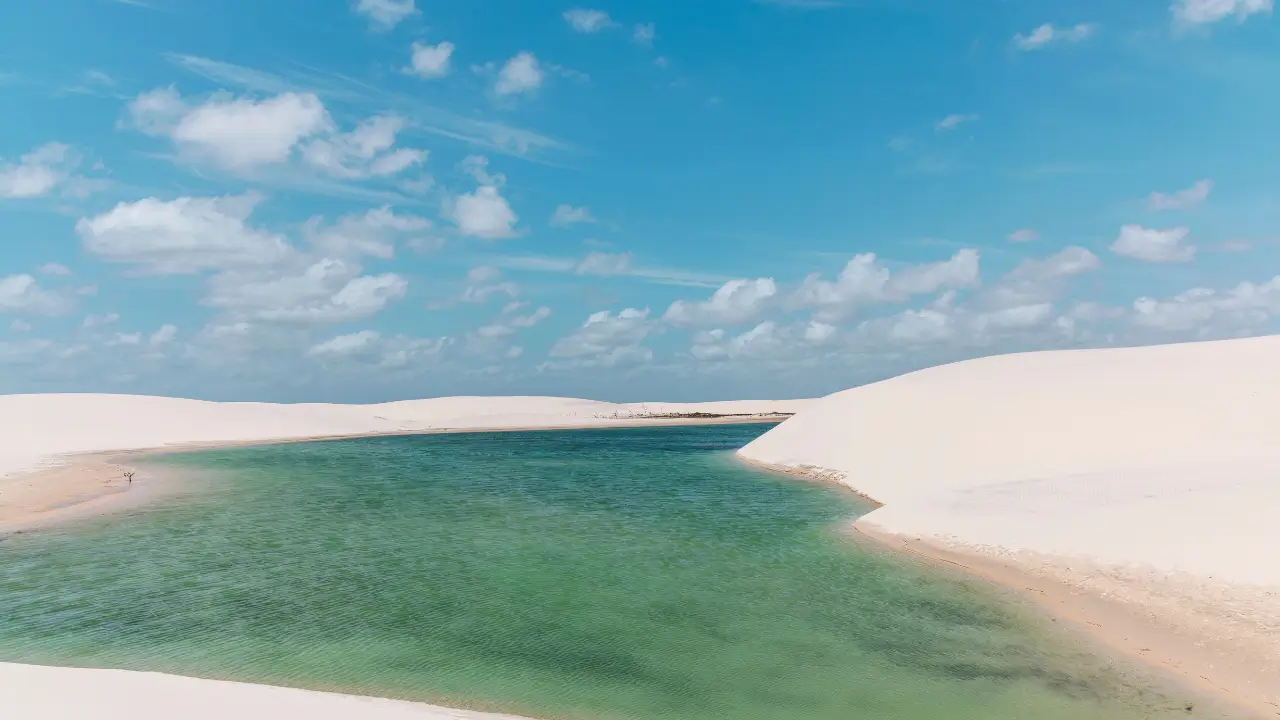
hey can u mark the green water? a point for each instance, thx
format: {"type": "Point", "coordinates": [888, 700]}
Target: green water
{"type": "Point", "coordinates": [585, 574]}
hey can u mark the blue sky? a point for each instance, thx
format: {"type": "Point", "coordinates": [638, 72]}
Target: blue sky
{"type": "Point", "coordinates": [360, 200]}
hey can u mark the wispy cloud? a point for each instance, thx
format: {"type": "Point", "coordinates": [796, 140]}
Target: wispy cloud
{"type": "Point", "coordinates": [570, 265]}
{"type": "Point", "coordinates": [488, 134]}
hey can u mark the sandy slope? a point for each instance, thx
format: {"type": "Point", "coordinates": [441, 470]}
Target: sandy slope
{"type": "Point", "coordinates": [1149, 474]}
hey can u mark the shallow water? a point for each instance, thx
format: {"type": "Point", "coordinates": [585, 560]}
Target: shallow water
{"type": "Point", "coordinates": [637, 573]}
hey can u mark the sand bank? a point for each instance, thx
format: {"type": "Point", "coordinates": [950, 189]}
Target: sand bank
{"type": "Point", "coordinates": [1139, 482]}
{"type": "Point", "coordinates": [34, 692]}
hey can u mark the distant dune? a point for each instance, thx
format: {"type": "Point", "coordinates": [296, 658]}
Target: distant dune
{"type": "Point", "coordinates": [36, 428]}
{"type": "Point", "coordinates": [1150, 476]}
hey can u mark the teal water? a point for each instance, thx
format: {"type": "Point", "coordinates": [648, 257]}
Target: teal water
{"type": "Point", "coordinates": [586, 574]}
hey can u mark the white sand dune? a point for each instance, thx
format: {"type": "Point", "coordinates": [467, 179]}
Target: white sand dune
{"type": "Point", "coordinates": [36, 428]}
{"type": "Point", "coordinates": [31, 692]}
{"type": "Point", "coordinates": [1151, 474]}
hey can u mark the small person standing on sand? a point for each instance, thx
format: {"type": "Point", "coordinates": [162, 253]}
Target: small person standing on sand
{"type": "Point", "coordinates": [129, 475]}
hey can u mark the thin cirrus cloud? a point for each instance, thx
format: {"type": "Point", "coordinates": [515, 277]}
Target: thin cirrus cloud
{"type": "Point", "coordinates": [951, 122]}
{"type": "Point", "coordinates": [1048, 35]}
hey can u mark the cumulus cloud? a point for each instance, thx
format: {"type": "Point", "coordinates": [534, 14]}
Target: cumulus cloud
{"type": "Point", "coordinates": [1048, 34]}
{"type": "Point", "coordinates": [521, 74]}
{"type": "Point", "coordinates": [483, 214]}
{"type": "Point", "coordinates": [372, 233]}
{"type": "Point", "coordinates": [607, 339]}
{"type": "Point", "coordinates": [566, 215]}
{"type": "Point", "coordinates": [346, 344]}
{"type": "Point", "coordinates": [386, 14]}
{"type": "Point", "coordinates": [366, 151]}
{"type": "Point", "coordinates": [1204, 12]}
{"type": "Point", "coordinates": [1207, 311]}
{"type": "Point", "coordinates": [326, 291]}
{"type": "Point", "coordinates": [735, 303]}
{"type": "Point", "coordinates": [1182, 199]}
{"type": "Point", "coordinates": [163, 336]}
{"type": "Point", "coordinates": [864, 281]}
{"type": "Point", "coordinates": [430, 61]}
{"type": "Point", "coordinates": [182, 236]}
{"type": "Point", "coordinates": [1023, 235]}
{"type": "Point", "coordinates": [588, 21]}
{"type": "Point", "coordinates": [1156, 246]}
{"type": "Point", "coordinates": [38, 172]}
{"type": "Point", "coordinates": [53, 268]}
{"type": "Point", "coordinates": [23, 294]}
{"type": "Point", "coordinates": [235, 133]}
{"type": "Point", "coordinates": [245, 134]}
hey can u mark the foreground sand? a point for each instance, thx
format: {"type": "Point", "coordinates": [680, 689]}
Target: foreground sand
{"type": "Point", "coordinates": [64, 456]}
{"type": "Point", "coordinates": [1134, 491]}
{"type": "Point", "coordinates": [32, 692]}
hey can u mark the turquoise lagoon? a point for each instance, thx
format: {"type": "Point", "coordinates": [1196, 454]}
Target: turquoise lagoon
{"type": "Point", "coordinates": [639, 573]}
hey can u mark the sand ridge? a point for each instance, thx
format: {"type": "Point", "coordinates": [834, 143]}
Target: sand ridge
{"type": "Point", "coordinates": [1149, 476]}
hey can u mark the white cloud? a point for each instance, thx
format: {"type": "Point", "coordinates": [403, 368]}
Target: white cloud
{"type": "Point", "coordinates": [602, 263]}
{"type": "Point", "coordinates": [521, 74]}
{"type": "Point", "coordinates": [951, 122]}
{"type": "Point", "coordinates": [372, 233]}
{"type": "Point", "coordinates": [53, 268]}
{"type": "Point", "coordinates": [1023, 235]}
{"type": "Point", "coordinates": [235, 133]}
{"type": "Point", "coordinates": [766, 341]}
{"type": "Point", "coordinates": [607, 339]}
{"type": "Point", "coordinates": [324, 292]}
{"type": "Point", "coordinates": [1034, 282]}
{"type": "Point", "coordinates": [346, 344]}
{"type": "Point", "coordinates": [163, 336]}
{"type": "Point", "coordinates": [182, 236]}
{"type": "Point", "coordinates": [865, 282]}
{"type": "Point", "coordinates": [735, 303]}
{"type": "Point", "coordinates": [1157, 246]}
{"type": "Point", "coordinates": [1182, 199]}
{"type": "Point", "coordinates": [1245, 307]}
{"type": "Point", "coordinates": [477, 166]}
{"type": "Point", "coordinates": [644, 34]}
{"type": "Point", "coordinates": [38, 172]}
{"type": "Point", "coordinates": [19, 326]}
{"type": "Point", "coordinates": [23, 294]}
{"type": "Point", "coordinates": [1047, 34]}
{"type": "Point", "coordinates": [1203, 12]}
{"type": "Point", "coordinates": [430, 61]}
{"type": "Point", "coordinates": [588, 21]}
{"type": "Point", "coordinates": [484, 214]}
{"type": "Point", "coordinates": [91, 321]}
{"type": "Point", "coordinates": [566, 215]}
{"type": "Point", "coordinates": [386, 14]}
{"type": "Point", "coordinates": [364, 152]}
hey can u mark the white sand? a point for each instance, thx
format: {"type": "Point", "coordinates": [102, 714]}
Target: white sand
{"type": "Point", "coordinates": [30, 692]}
{"type": "Point", "coordinates": [39, 430]}
{"type": "Point", "coordinates": [1150, 474]}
